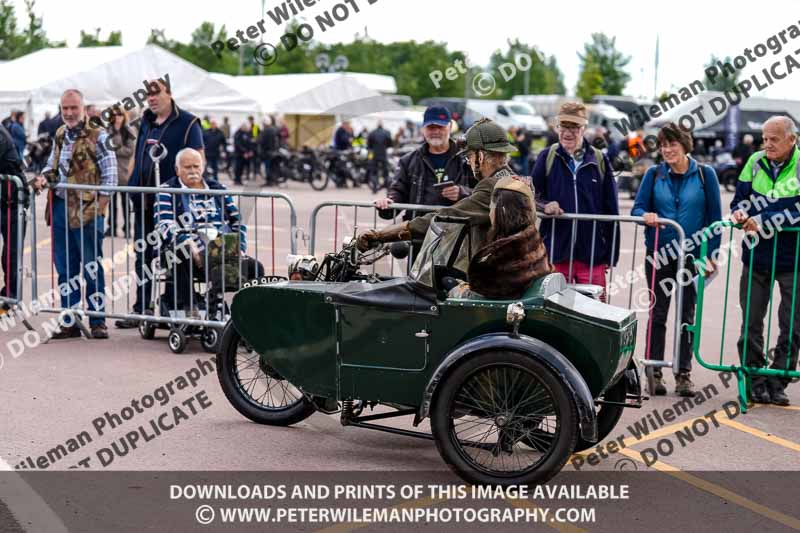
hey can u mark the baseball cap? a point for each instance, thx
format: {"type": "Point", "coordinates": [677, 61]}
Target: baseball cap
{"type": "Point", "coordinates": [438, 115]}
{"type": "Point", "coordinates": [487, 135]}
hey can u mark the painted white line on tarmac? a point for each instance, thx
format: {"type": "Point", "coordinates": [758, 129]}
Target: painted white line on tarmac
{"type": "Point", "coordinates": [27, 507]}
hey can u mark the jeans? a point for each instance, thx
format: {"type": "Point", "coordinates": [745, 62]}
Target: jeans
{"type": "Point", "coordinates": [760, 294]}
{"type": "Point", "coordinates": [660, 300]}
{"type": "Point", "coordinates": [73, 247]}
{"type": "Point", "coordinates": [10, 253]}
{"type": "Point", "coordinates": [373, 168]}
{"type": "Point", "coordinates": [267, 168]}
{"type": "Point", "coordinates": [239, 166]}
{"type": "Point", "coordinates": [212, 168]}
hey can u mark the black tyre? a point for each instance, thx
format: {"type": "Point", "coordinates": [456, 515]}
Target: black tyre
{"type": "Point", "coordinates": [147, 330]}
{"type": "Point", "coordinates": [486, 409]}
{"type": "Point", "coordinates": [210, 340]}
{"type": "Point", "coordinates": [254, 388]}
{"type": "Point", "coordinates": [177, 341]}
{"type": "Point", "coordinates": [319, 180]}
{"type": "Point", "coordinates": [607, 415]}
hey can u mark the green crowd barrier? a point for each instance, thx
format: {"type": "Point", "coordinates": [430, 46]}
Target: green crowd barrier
{"type": "Point", "coordinates": [742, 371]}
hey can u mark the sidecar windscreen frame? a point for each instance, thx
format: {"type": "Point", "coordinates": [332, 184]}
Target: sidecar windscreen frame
{"type": "Point", "coordinates": [447, 247]}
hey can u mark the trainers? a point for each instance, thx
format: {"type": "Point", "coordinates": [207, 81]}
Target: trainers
{"type": "Point", "coordinates": [684, 385]}
{"type": "Point", "coordinates": [660, 388]}
{"type": "Point", "coordinates": [99, 331]}
{"type": "Point", "coordinates": [66, 333]}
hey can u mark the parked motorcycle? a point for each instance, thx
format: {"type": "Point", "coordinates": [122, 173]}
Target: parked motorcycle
{"type": "Point", "coordinates": [302, 166]}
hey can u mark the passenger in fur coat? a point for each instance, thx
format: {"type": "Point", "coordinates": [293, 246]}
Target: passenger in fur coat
{"type": "Point", "coordinates": [514, 255]}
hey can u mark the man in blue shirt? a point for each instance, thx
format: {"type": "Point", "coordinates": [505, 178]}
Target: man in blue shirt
{"type": "Point", "coordinates": [166, 124]}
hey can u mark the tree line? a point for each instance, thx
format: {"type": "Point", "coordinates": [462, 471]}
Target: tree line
{"type": "Point", "coordinates": [602, 65]}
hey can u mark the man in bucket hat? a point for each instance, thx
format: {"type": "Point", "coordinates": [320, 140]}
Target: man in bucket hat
{"type": "Point", "coordinates": [573, 176]}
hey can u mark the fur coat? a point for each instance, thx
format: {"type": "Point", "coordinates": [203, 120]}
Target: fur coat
{"type": "Point", "coordinates": [505, 268]}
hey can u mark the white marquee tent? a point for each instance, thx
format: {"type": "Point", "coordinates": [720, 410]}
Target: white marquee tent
{"type": "Point", "coordinates": [106, 75]}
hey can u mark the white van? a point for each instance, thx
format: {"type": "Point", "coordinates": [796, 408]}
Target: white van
{"type": "Point", "coordinates": [604, 116]}
{"type": "Point", "coordinates": [506, 113]}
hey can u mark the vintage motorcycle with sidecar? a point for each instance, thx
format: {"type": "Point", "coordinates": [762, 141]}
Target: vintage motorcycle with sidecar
{"type": "Point", "coordinates": [511, 388]}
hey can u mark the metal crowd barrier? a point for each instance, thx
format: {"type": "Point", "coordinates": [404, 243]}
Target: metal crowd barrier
{"type": "Point", "coordinates": [730, 249]}
{"type": "Point", "coordinates": [13, 231]}
{"type": "Point", "coordinates": [372, 223]}
{"type": "Point", "coordinates": [628, 256]}
{"type": "Point", "coordinates": [640, 290]}
{"type": "Point", "coordinates": [117, 259]}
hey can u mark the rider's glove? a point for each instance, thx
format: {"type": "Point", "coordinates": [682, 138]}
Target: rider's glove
{"type": "Point", "coordinates": [370, 238]}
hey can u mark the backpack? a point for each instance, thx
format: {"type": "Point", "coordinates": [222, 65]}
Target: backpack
{"type": "Point", "coordinates": [598, 154]}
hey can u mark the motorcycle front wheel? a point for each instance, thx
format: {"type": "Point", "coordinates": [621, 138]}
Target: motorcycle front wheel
{"type": "Point", "coordinates": [254, 388]}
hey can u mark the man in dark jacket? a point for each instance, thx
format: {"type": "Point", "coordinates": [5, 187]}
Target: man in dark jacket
{"type": "Point", "coordinates": [343, 138]}
{"type": "Point", "coordinates": [175, 129]}
{"type": "Point", "coordinates": [243, 151]}
{"type": "Point", "coordinates": [268, 143]}
{"type": "Point", "coordinates": [17, 131]}
{"type": "Point", "coordinates": [50, 125]}
{"type": "Point", "coordinates": [767, 194]}
{"type": "Point", "coordinates": [10, 164]}
{"type": "Point", "coordinates": [487, 155]}
{"type": "Point", "coordinates": [743, 151]}
{"type": "Point", "coordinates": [574, 177]}
{"type": "Point", "coordinates": [433, 174]}
{"type": "Point", "coordinates": [215, 143]}
{"type": "Point", "coordinates": [378, 142]}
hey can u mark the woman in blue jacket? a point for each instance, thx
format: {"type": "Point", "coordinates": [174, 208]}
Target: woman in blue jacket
{"type": "Point", "coordinates": [681, 190]}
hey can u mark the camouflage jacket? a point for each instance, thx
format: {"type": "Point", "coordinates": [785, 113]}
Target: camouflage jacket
{"type": "Point", "coordinates": [83, 170]}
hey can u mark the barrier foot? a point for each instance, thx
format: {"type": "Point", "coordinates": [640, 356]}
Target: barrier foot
{"type": "Point", "coordinates": [743, 382]}
{"type": "Point", "coordinates": [19, 314]}
{"type": "Point", "coordinates": [84, 329]}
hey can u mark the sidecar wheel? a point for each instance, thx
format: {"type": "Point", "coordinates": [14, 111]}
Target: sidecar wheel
{"type": "Point", "coordinates": [607, 415]}
{"type": "Point", "coordinates": [486, 409]}
{"type": "Point", "coordinates": [254, 388]}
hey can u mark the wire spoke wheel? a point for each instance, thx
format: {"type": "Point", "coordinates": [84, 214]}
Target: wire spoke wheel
{"type": "Point", "coordinates": [504, 418]}
{"type": "Point", "coordinates": [260, 383]}
{"type": "Point", "coordinates": [509, 408]}
{"type": "Point", "coordinates": [254, 387]}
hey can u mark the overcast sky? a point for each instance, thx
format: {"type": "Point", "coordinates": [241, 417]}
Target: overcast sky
{"type": "Point", "coordinates": [690, 31]}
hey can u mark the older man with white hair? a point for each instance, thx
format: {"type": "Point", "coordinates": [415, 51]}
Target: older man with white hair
{"type": "Point", "coordinates": [768, 193]}
{"type": "Point", "coordinates": [193, 210]}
